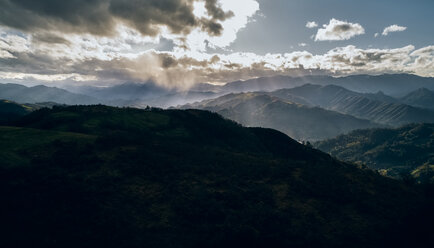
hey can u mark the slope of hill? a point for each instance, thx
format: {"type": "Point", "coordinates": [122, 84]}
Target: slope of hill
{"type": "Point", "coordinates": [40, 93]}
{"type": "Point", "coordinates": [395, 151]}
{"type": "Point", "coordinates": [375, 107]}
{"type": "Point", "coordinates": [106, 177]}
{"type": "Point", "coordinates": [10, 111]}
{"type": "Point", "coordinates": [423, 98]}
{"type": "Point", "coordinates": [296, 120]}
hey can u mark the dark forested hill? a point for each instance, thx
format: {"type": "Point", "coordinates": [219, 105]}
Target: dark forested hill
{"type": "Point", "coordinates": [375, 107]}
{"type": "Point", "coordinates": [10, 111]}
{"type": "Point", "coordinates": [98, 176]}
{"type": "Point", "coordinates": [394, 151]}
{"type": "Point", "coordinates": [299, 121]}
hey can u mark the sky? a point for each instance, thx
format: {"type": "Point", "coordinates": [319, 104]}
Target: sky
{"type": "Point", "coordinates": [178, 43]}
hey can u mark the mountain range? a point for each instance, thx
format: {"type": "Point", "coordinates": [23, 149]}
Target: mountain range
{"type": "Point", "coordinates": [396, 85]}
{"type": "Point", "coordinates": [301, 122]}
{"type": "Point", "coordinates": [151, 94]}
{"type": "Point", "coordinates": [41, 93]}
{"type": "Point", "coordinates": [375, 107]}
{"type": "Point", "coordinates": [295, 111]}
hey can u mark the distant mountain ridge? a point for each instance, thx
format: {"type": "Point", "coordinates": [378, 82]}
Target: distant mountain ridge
{"type": "Point", "coordinates": [390, 84]}
{"type": "Point", "coordinates": [375, 107]}
{"type": "Point", "coordinates": [299, 121]}
{"type": "Point", "coordinates": [422, 97]}
{"type": "Point", "coordinates": [41, 93]}
{"type": "Point", "coordinates": [145, 94]}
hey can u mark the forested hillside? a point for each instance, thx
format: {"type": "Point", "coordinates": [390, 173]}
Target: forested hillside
{"type": "Point", "coordinates": [98, 176]}
{"type": "Point", "coordinates": [396, 152]}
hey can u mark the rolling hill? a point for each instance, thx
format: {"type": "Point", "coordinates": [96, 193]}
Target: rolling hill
{"type": "Point", "coordinates": [375, 107]}
{"type": "Point", "coordinates": [396, 152]}
{"type": "Point", "coordinates": [294, 119]}
{"type": "Point", "coordinates": [10, 111]}
{"type": "Point", "coordinates": [97, 176]}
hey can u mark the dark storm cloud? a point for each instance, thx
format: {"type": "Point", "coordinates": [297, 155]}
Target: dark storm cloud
{"type": "Point", "coordinates": [216, 12]}
{"type": "Point", "coordinates": [99, 17]}
{"type": "Point", "coordinates": [49, 38]}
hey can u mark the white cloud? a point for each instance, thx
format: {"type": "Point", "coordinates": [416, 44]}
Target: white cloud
{"type": "Point", "coordinates": [11, 43]}
{"type": "Point", "coordinates": [376, 34]}
{"type": "Point", "coordinates": [339, 30]}
{"type": "Point", "coordinates": [311, 24]}
{"type": "Point", "coordinates": [424, 61]}
{"type": "Point", "coordinates": [198, 40]}
{"type": "Point", "coordinates": [302, 44]}
{"type": "Point", "coordinates": [57, 57]}
{"type": "Point", "coordinates": [351, 59]}
{"type": "Point", "coordinates": [393, 28]}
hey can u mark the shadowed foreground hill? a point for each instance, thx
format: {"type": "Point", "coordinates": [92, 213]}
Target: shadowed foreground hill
{"type": "Point", "coordinates": [98, 176]}
{"type": "Point", "coordinates": [10, 111]}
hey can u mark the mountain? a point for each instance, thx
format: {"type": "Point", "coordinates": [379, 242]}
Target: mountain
{"type": "Point", "coordinates": [40, 93]}
{"type": "Point", "coordinates": [146, 94]}
{"type": "Point", "coordinates": [294, 119]}
{"type": "Point", "coordinates": [394, 151]}
{"type": "Point", "coordinates": [126, 91]}
{"type": "Point", "coordinates": [375, 107]}
{"type": "Point", "coordinates": [390, 84]}
{"type": "Point", "coordinates": [264, 84]}
{"type": "Point", "coordinates": [96, 176]}
{"type": "Point", "coordinates": [422, 97]}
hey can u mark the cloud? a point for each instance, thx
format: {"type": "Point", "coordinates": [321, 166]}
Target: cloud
{"type": "Point", "coordinates": [11, 43]}
{"type": "Point", "coordinates": [302, 44]}
{"type": "Point", "coordinates": [184, 69]}
{"type": "Point", "coordinates": [339, 30]}
{"type": "Point", "coordinates": [351, 59]}
{"type": "Point", "coordinates": [100, 17]}
{"type": "Point", "coordinates": [198, 40]}
{"type": "Point", "coordinates": [56, 55]}
{"type": "Point", "coordinates": [393, 28]}
{"type": "Point", "coordinates": [311, 24]}
{"type": "Point", "coordinates": [424, 61]}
